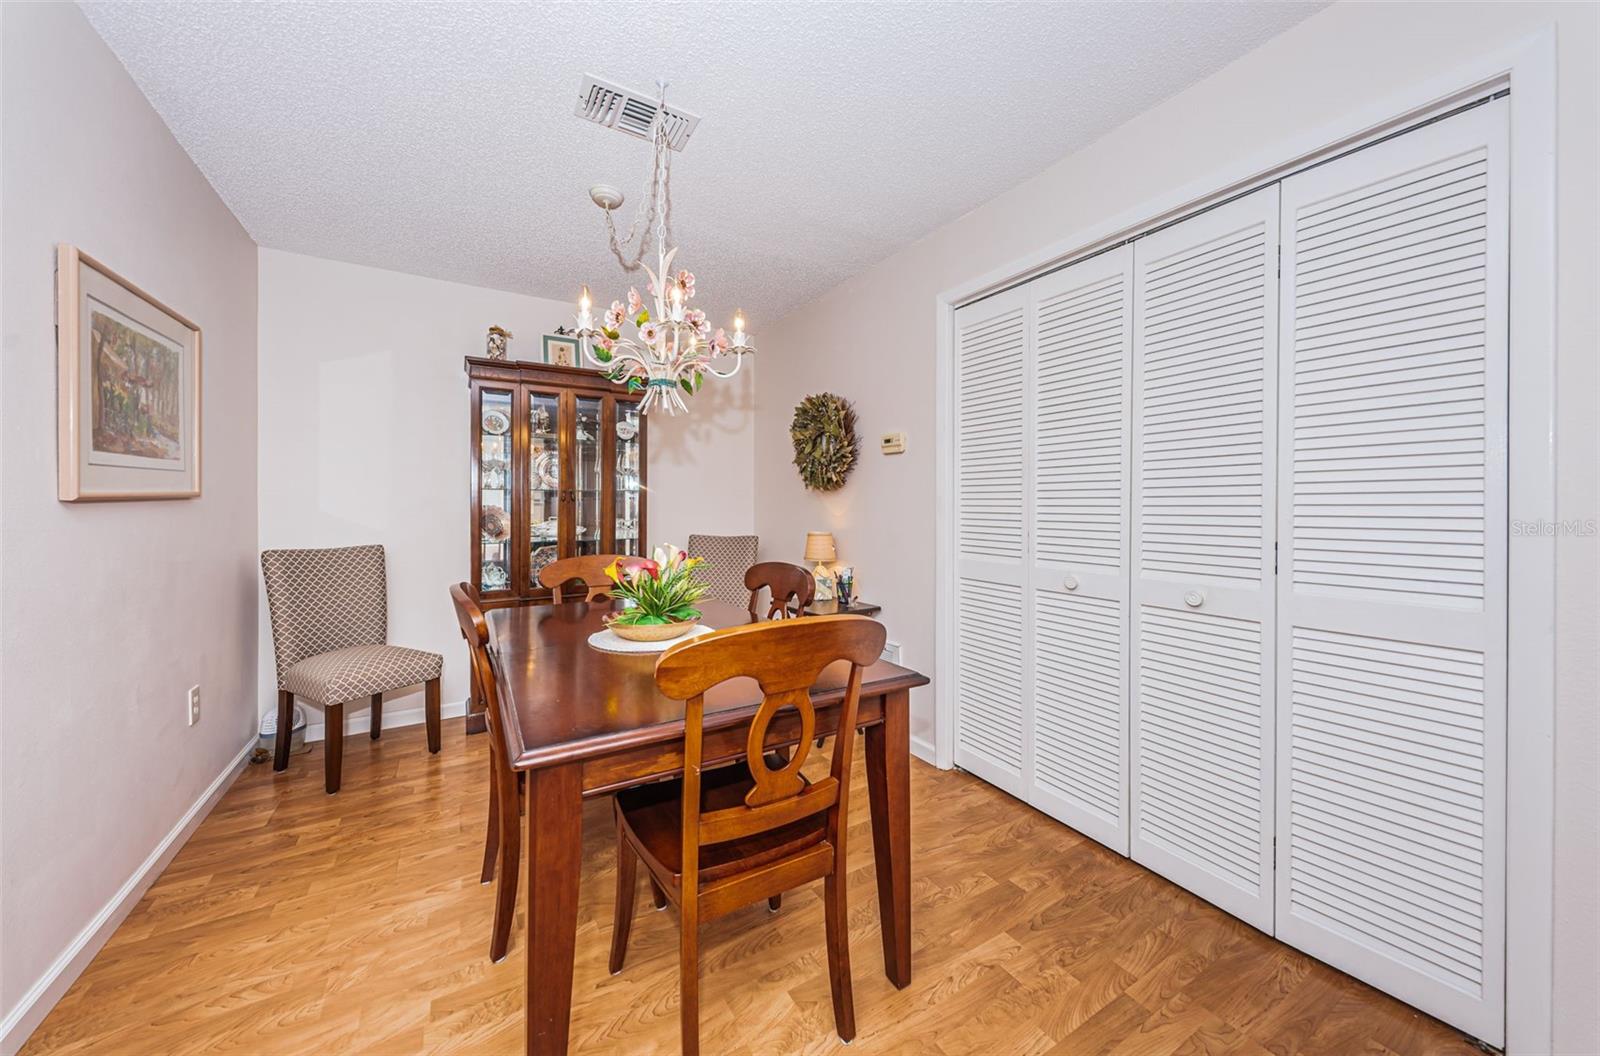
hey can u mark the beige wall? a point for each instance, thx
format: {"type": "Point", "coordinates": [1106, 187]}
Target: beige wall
{"type": "Point", "coordinates": [364, 410]}
{"type": "Point", "coordinates": [873, 340]}
{"type": "Point", "coordinates": [109, 611]}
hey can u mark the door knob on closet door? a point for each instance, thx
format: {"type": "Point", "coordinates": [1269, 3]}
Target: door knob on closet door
{"type": "Point", "coordinates": [1071, 582]}
{"type": "Point", "coordinates": [1194, 599]}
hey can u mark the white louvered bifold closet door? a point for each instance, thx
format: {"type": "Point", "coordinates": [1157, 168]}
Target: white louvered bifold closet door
{"type": "Point", "coordinates": [1083, 343]}
{"type": "Point", "coordinates": [1204, 384]}
{"type": "Point", "coordinates": [1391, 690]}
{"type": "Point", "coordinates": [993, 725]}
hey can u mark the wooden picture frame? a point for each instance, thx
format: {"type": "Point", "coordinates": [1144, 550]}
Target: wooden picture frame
{"type": "Point", "coordinates": [560, 350]}
{"type": "Point", "coordinates": [127, 389]}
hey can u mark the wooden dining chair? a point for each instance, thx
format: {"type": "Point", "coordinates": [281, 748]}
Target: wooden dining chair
{"type": "Point", "coordinates": [502, 849]}
{"type": "Point", "coordinates": [719, 839]}
{"type": "Point", "coordinates": [590, 569]}
{"type": "Point", "coordinates": [791, 588]}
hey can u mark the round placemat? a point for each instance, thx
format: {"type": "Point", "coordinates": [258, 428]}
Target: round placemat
{"type": "Point", "coordinates": [607, 642]}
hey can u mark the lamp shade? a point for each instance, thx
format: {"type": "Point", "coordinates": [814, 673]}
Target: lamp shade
{"type": "Point", "coordinates": [819, 547]}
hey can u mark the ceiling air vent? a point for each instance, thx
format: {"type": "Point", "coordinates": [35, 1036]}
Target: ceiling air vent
{"type": "Point", "coordinates": [631, 112]}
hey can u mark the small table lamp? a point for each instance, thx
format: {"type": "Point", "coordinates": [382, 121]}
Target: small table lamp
{"type": "Point", "coordinates": [820, 549]}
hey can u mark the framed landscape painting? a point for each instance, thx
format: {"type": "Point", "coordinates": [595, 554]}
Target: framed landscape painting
{"type": "Point", "coordinates": [127, 389]}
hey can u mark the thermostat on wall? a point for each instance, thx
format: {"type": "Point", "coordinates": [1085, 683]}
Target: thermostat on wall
{"type": "Point", "coordinates": [892, 443]}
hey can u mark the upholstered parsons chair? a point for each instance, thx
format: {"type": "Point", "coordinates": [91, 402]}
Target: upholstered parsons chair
{"type": "Point", "coordinates": [330, 633]}
{"type": "Point", "coordinates": [727, 557]}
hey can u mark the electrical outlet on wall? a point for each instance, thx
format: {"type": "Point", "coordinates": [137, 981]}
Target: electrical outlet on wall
{"type": "Point", "coordinates": [194, 705]}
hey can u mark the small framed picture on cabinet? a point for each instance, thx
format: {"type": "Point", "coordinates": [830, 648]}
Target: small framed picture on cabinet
{"type": "Point", "coordinates": [560, 351]}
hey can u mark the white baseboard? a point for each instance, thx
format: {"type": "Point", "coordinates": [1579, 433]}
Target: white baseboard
{"type": "Point", "coordinates": [923, 749]}
{"type": "Point", "coordinates": [356, 721]}
{"type": "Point", "coordinates": [42, 996]}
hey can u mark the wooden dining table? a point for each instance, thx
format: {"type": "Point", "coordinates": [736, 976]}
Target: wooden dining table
{"type": "Point", "coordinates": [582, 722]}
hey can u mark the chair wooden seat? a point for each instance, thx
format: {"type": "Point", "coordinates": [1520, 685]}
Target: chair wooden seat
{"type": "Point", "coordinates": [652, 821]}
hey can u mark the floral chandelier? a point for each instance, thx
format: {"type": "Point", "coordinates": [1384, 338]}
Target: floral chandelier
{"type": "Point", "coordinates": [672, 347]}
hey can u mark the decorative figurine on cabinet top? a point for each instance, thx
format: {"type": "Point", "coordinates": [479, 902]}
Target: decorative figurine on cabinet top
{"type": "Point", "coordinates": [498, 337]}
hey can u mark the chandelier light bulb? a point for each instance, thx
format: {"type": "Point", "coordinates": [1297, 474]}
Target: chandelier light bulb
{"type": "Point", "coordinates": [585, 320]}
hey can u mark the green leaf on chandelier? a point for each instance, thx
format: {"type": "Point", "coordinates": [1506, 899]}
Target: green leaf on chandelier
{"type": "Point", "coordinates": [642, 318]}
{"type": "Point", "coordinates": [602, 355]}
{"type": "Point", "coordinates": [612, 334]}
{"type": "Point", "coordinates": [686, 385]}
{"type": "Point", "coordinates": [699, 380]}
{"type": "Point", "coordinates": [634, 384]}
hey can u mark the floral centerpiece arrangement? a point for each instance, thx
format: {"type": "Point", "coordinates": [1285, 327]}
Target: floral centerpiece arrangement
{"type": "Point", "coordinates": [661, 592]}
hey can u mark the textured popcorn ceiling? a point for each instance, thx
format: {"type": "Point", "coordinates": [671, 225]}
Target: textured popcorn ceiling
{"type": "Point", "coordinates": [439, 138]}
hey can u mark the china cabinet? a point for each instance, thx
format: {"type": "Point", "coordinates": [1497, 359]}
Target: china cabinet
{"type": "Point", "coordinates": [556, 469]}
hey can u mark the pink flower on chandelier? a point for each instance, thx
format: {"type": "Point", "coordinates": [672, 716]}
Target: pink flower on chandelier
{"type": "Point", "coordinates": [685, 282]}
{"type": "Point", "coordinates": [719, 342]}
{"type": "Point", "coordinates": [614, 316]}
{"type": "Point", "coordinates": [650, 333]}
{"type": "Point", "coordinates": [697, 319]}
{"type": "Point", "coordinates": [635, 304]}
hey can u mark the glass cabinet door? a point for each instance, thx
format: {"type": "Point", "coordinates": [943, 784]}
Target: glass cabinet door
{"type": "Point", "coordinates": [587, 531]}
{"type": "Point", "coordinates": [494, 490]}
{"type": "Point", "coordinates": [627, 486]}
{"type": "Point", "coordinates": [544, 482]}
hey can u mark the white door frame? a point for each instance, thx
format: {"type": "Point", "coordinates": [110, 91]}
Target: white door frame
{"type": "Point", "coordinates": [1528, 67]}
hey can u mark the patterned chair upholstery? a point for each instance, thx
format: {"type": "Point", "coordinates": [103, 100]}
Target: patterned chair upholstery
{"type": "Point", "coordinates": [330, 630]}
{"type": "Point", "coordinates": [727, 557]}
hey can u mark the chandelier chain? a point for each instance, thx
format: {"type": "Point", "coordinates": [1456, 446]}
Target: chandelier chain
{"type": "Point", "coordinates": [675, 348]}
{"type": "Point", "coordinates": [658, 213]}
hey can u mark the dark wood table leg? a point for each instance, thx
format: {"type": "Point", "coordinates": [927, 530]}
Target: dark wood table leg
{"type": "Point", "coordinates": [375, 706]}
{"type": "Point", "coordinates": [889, 793]}
{"type": "Point", "coordinates": [555, 844]}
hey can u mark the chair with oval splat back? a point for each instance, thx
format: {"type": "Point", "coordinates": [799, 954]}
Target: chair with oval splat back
{"type": "Point", "coordinates": [717, 840]}
{"type": "Point", "coordinates": [791, 589]}
{"type": "Point", "coordinates": [590, 569]}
